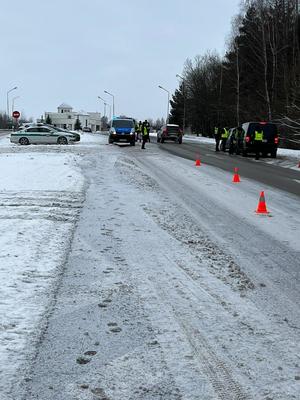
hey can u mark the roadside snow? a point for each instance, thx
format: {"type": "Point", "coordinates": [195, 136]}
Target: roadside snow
{"type": "Point", "coordinates": [40, 198]}
{"type": "Point", "coordinates": [38, 172]}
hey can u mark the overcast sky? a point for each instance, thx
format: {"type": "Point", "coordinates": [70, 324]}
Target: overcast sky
{"type": "Point", "coordinates": [72, 50]}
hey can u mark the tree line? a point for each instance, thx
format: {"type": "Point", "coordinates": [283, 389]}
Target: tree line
{"type": "Point", "coordinates": [257, 79]}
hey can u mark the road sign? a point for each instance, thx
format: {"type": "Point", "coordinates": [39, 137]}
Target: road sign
{"type": "Point", "coordinates": [16, 114]}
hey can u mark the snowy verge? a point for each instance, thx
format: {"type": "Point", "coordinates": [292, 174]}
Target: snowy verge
{"type": "Point", "coordinates": [40, 198]}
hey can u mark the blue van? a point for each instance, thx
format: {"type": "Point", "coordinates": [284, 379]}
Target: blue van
{"type": "Point", "coordinates": [122, 130]}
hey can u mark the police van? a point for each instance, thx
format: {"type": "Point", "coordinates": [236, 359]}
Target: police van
{"type": "Point", "coordinates": [122, 130]}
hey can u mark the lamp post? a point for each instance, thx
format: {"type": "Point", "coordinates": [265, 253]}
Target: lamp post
{"type": "Point", "coordinates": [167, 120]}
{"type": "Point", "coordinates": [13, 103]}
{"type": "Point", "coordinates": [7, 102]}
{"type": "Point", "coordinates": [110, 94]}
{"type": "Point", "coordinates": [13, 109]}
{"type": "Point", "coordinates": [184, 107]}
{"type": "Point", "coordinates": [105, 104]}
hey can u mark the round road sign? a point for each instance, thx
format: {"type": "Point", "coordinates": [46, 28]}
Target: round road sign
{"type": "Point", "coordinates": [16, 114]}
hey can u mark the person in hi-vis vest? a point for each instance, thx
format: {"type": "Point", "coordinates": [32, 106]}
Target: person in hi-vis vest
{"type": "Point", "coordinates": [224, 137]}
{"type": "Point", "coordinates": [145, 135]}
{"type": "Point", "coordinates": [257, 141]}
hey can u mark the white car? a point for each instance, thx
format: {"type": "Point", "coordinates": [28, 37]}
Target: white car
{"type": "Point", "coordinates": [41, 135]}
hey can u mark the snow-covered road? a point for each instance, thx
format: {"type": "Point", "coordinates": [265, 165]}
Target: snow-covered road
{"type": "Point", "coordinates": [173, 288]}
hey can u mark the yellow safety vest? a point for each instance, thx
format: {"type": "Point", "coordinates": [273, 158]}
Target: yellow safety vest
{"type": "Point", "coordinates": [225, 134]}
{"type": "Point", "coordinates": [258, 136]}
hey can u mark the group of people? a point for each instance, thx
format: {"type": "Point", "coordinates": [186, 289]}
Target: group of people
{"type": "Point", "coordinates": [142, 130]}
{"type": "Point", "coordinates": [236, 139]}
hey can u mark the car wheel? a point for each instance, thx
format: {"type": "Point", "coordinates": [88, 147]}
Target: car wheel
{"type": "Point", "coordinates": [132, 143]}
{"type": "Point", "coordinates": [24, 141]}
{"type": "Point", "coordinates": [158, 140]}
{"type": "Point", "coordinates": [274, 154]}
{"type": "Point", "coordinates": [62, 140]}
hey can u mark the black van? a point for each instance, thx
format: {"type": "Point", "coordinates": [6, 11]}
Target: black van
{"type": "Point", "coordinates": [270, 138]}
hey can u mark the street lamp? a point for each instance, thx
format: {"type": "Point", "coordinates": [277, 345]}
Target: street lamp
{"type": "Point", "coordinates": [105, 91]}
{"type": "Point", "coordinates": [184, 107]}
{"type": "Point", "coordinates": [7, 102]}
{"type": "Point", "coordinates": [167, 120]}
{"type": "Point", "coordinates": [13, 103]}
{"type": "Point", "coordinates": [105, 104]}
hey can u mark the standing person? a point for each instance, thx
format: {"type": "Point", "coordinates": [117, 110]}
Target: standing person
{"type": "Point", "coordinates": [144, 136]}
{"type": "Point", "coordinates": [258, 139]}
{"type": "Point", "coordinates": [224, 136]}
{"type": "Point", "coordinates": [146, 123]}
{"type": "Point", "coordinates": [136, 128]}
{"type": "Point", "coordinates": [140, 124]}
{"type": "Point", "coordinates": [239, 139]}
{"type": "Point", "coordinates": [217, 137]}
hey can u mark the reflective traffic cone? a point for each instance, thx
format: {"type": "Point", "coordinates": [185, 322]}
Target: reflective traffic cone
{"type": "Point", "coordinates": [198, 163]}
{"type": "Point", "coordinates": [262, 207]}
{"type": "Point", "coordinates": [236, 177]}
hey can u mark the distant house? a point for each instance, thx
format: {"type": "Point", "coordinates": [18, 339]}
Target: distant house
{"type": "Point", "coordinates": [65, 118]}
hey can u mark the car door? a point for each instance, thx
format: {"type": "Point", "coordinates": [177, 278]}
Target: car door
{"type": "Point", "coordinates": [47, 136]}
{"type": "Point", "coordinates": [33, 135]}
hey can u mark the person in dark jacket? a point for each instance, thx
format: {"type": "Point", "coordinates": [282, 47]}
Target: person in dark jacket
{"type": "Point", "coordinates": [217, 137]}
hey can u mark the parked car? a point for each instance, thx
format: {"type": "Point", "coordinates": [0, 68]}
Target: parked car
{"type": "Point", "coordinates": [270, 138]}
{"type": "Point", "coordinates": [169, 132]}
{"type": "Point", "coordinates": [122, 130]}
{"type": "Point", "coordinates": [41, 135]}
{"type": "Point", "coordinates": [86, 129]}
{"type": "Point", "coordinates": [74, 133]}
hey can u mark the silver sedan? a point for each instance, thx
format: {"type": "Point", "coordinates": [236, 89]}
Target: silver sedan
{"type": "Point", "coordinates": [41, 135]}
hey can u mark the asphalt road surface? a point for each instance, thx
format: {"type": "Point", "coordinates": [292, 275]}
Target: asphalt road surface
{"type": "Point", "coordinates": [281, 178]}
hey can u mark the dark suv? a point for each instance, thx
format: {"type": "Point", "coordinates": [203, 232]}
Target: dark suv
{"type": "Point", "coordinates": [270, 138]}
{"type": "Point", "coordinates": [122, 130]}
{"type": "Point", "coordinates": [169, 132]}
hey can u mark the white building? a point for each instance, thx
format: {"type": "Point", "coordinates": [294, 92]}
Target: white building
{"type": "Point", "coordinates": [65, 118]}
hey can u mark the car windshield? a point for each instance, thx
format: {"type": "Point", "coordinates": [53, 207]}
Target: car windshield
{"type": "Point", "coordinates": [269, 130]}
{"type": "Point", "coordinates": [123, 123]}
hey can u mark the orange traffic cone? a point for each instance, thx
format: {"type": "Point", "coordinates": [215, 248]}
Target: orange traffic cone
{"type": "Point", "coordinates": [198, 163]}
{"type": "Point", "coordinates": [236, 177]}
{"type": "Point", "coordinates": [262, 207]}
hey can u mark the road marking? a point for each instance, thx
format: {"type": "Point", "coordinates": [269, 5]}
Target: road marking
{"type": "Point", "coordinates": [296, 180]}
